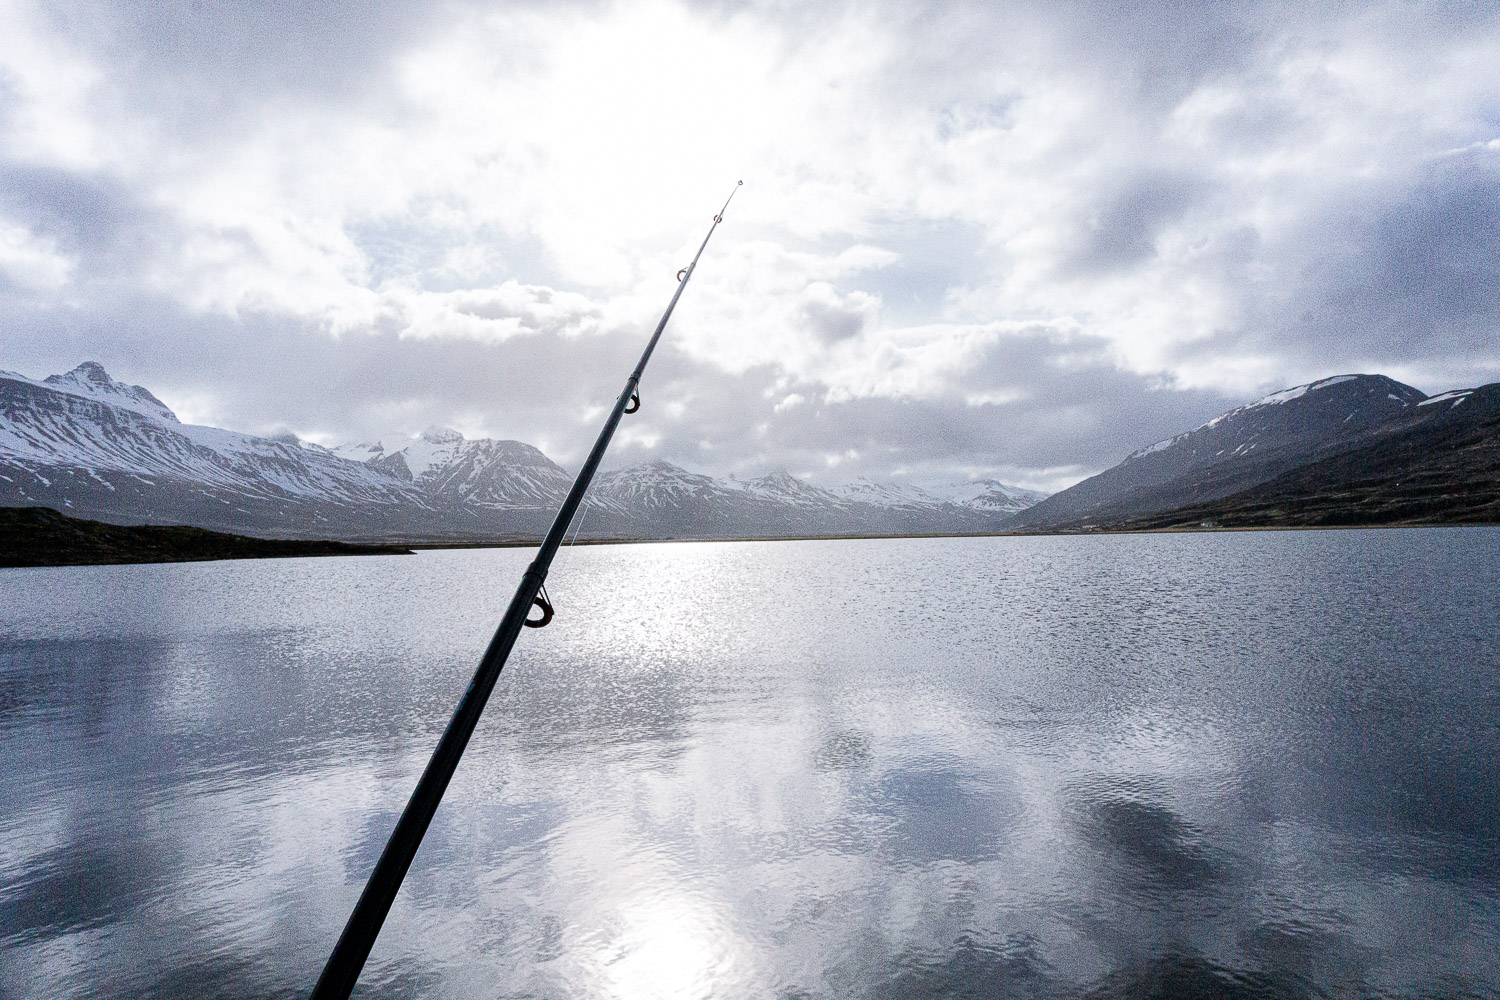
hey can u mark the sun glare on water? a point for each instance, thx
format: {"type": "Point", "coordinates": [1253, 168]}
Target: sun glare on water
{"type": "Point", "coordinates": [666, 950]}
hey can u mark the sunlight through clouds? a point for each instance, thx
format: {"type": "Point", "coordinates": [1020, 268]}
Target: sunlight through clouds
{"type": "Point", "coordinates": [47, 91]}
{"type": "Point", "coordinates": [1217, 201]}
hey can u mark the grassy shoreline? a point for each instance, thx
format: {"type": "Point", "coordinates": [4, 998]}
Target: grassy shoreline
{"type": "Point", "coordinates": [40, 536]}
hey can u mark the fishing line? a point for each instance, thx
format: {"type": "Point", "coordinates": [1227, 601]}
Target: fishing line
{"type": "Point", "coordinates": [581, 518]}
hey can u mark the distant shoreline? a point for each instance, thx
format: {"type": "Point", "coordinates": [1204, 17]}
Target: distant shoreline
{"type": "Point", "coordinates": [1175, 530]}
{"type": "Point", "coordinates": [34, 537]}
{"type": "Point", "coordinates": [41, 536]}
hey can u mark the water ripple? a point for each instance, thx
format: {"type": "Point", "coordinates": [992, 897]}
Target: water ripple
{"type": "Point", "coordinates": [1227, 765]}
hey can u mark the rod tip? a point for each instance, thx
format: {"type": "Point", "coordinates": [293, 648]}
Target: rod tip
{"type": "Point", "coordinates": [738, 183]}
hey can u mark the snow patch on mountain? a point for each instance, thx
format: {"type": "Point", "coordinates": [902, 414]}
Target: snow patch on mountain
{"type": "Point", "coordinates": [985, 494]}
{"type": "Point", "coordinates": [654, 484]}
{"type": "Point", "coordinates": [362, 452]}
{"type": "Point", "coordinates": [83, 438]}
{"type": "Point", "coordinates": [1280, 398]}
{"type": "Point", "coordinates": [783, 487]}
{"type": "Point", "coordinates": [1297, 392]}
{"type": "Point", "coordinates": [433, 448]}
{"type": "Point", "coordinates": [1454, 396]}
{"type": "Point", "coordinates": [91, 381]}
{"type": "Point", "coordinates": [86, 421]}
{"type": "Point", "coordinates": [1284, 396]}
{"type": "Point", "coordinates": [865, 490]}
{"type": "Point", "coordinates": [1158, 446]}
{"type": "Point", "coordinates": [1234, 451]}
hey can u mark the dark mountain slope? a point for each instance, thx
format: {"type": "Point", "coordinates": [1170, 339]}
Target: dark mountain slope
{"type": "Point", "coordinates": [1440, 465]}
{"type": "Point", "coordinates": [1232, 453]}
{"type": "Point", "coordinates": [40, 536]}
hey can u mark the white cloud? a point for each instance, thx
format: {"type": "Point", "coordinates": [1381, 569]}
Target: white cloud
{"type": "Point", "coordinates": [31, 262]}
{"type": "Point", "coordinates": [50, 94]}
{"type": "Point", "coordinates": [1179, 190]}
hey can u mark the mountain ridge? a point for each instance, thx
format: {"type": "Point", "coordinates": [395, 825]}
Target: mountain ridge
{"type": "Point", "coordinates": [85, 444]}
{"type": "Point", "coordinates": [1300, 438]}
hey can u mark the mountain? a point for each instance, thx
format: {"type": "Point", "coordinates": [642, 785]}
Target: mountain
{"type": "Point", "coordinates": [83, 443]}
{"type": "Point", "coordinates": [448, 468]}
{"type": "Point", "coordinates": [91, 381]}
{"type": "Point", "coordinates": [1439, 464]}
{"type": "Point", "coordinates": [86, 444]}
{"type": "Point", "coordinates": [685, 504]}
{"type": "Point", "coordinates": [1341, 450]}
{"type": "Point", "coordinates": [986, 494]}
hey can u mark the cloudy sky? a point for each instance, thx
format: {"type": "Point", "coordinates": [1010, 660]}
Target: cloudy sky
{"type": "Point", "coordinates": [1011, 239]}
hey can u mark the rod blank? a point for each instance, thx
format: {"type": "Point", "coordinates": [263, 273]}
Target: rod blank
{"type": "Point", "coordinates": [354, 944]}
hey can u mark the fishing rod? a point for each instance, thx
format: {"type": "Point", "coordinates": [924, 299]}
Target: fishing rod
{"type": "Point", "coordinates": [354, 944]}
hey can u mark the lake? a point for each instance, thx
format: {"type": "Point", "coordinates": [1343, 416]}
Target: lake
{"type": "Point", "coordinates": [1260, 764]}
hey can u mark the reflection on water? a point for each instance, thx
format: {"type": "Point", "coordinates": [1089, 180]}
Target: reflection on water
{"type": "Point", "coordinates": [1228, 765]}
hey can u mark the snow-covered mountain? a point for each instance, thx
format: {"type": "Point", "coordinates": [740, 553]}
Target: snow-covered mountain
{"type": "Point", "coordinates": [89, 445]}
{"type": "Point", "coordinates": [1232, 452]}
{"type": "Point", "coordinates": [1436, 463]}
{"type": "Point", "coordinates": [91, 381]}
{"type": "Point", "coordinates": [784, 488]}
{"type": "Point", "coordinates": [86, 444]}
{"type": "Point", "coordinates": [679, 503]}
{"type": "Point", "coordinates": [1341, 406]}
{"type": "Point", "coordinates": [448, 468]}
{"type": "Point", "coordinates": [984, 494]}
{"type": "Point", "coordinates": [865, 490]}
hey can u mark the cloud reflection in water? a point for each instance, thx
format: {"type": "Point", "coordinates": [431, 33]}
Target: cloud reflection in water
{"type": "Point", "coordinates": [1100, 767]}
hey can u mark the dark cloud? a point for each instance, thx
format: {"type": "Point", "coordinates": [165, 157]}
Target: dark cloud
{"type": "Point", "coordinates": [832, 319]}
{"type": "Point", "coordinates": [1395, 274]}
{"type": "Point", "coordinates": [1154, 52]}
{"type": "Point", "coordinates": [1430, 258]}
{"type": "Point", "coordinates": [1162, 49]}
{"type": "Point", "coordinates": [107, 229]}
{"type": "Point", "coordinates": [1072, 407]}
{"type": "Point", "coordinates": [222, 53]}
{"type": "Point", "coordinates": [1120, 230]}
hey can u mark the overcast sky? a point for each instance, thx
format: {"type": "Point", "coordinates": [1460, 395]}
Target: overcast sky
{"type": "Point", "coordinates": [1009, 239]}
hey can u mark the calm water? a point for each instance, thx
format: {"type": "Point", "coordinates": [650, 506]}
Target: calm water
{"type": "Point", "coordinates": [1258, 765]}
